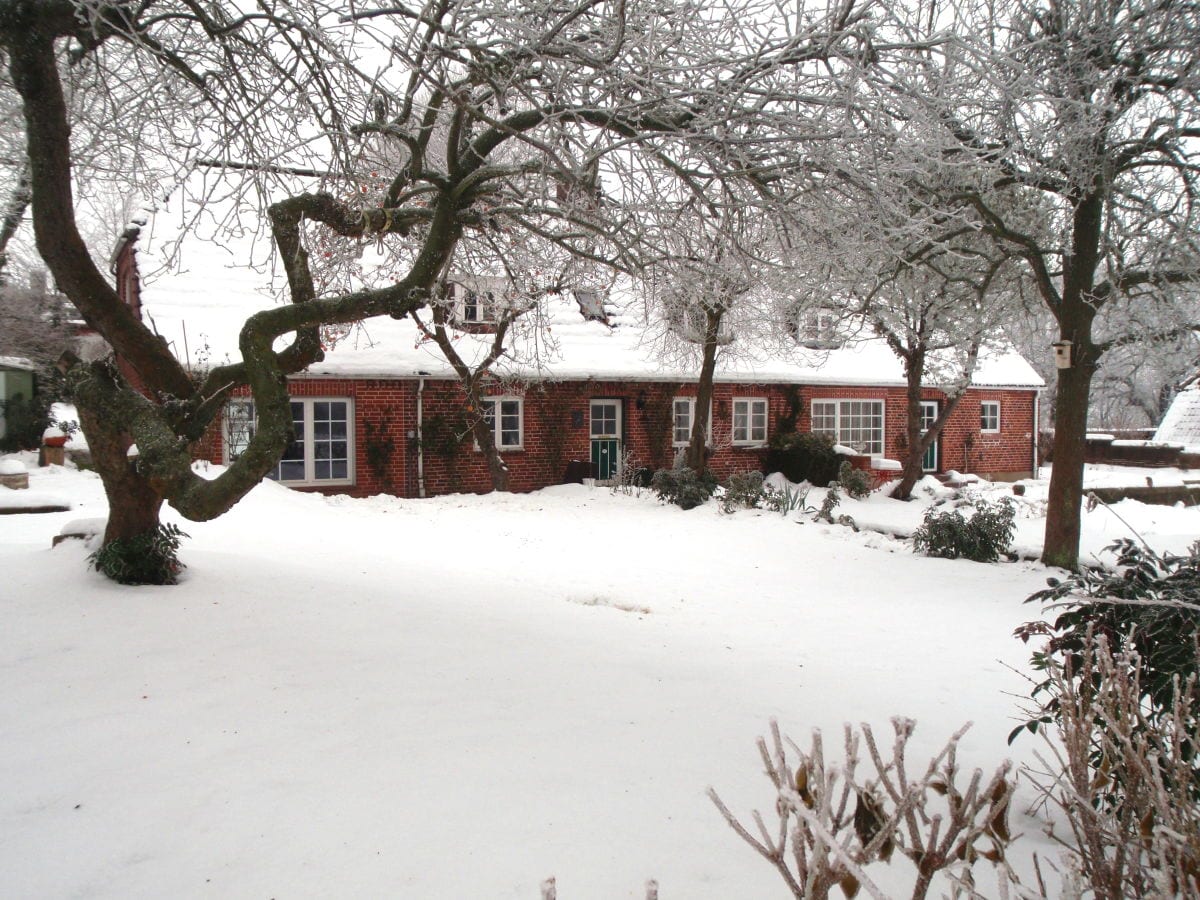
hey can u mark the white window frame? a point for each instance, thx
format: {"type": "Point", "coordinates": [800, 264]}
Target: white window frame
{"type": "Point", "coordinates": [483, 304]}
{"type": "Point", "coordinates": [309, 479]}
{"type": "Point", "coordinates": [691, 405]}
{"type": "Point", "coordinates": [497, 422]}
{"type": "Point", "coordinates": [984, 416]}
{"type": "Point", "coordinates": [749, 439]}
{"type": "Point", "coordinates": [839, 414]}
{"type": "Point", "coordinates": [690, 402]}
{"type": "Point", "coordinates": [816, 327]}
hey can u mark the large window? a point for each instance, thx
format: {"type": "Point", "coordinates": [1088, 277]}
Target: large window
{"type": "Point", "coordinates": [322, 446]}
{"type": "Point", "coordinates": [989, 416]}
{"type": "Point", "coordinates": [504, 415]}
{"type": "Point", "coordinates": [857, 424]}
{"type": "Point", "coordinates": [749, 420]}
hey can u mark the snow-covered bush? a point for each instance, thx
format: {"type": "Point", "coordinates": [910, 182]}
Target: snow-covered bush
{"type": "Point", "coordinates": [682, 486]}
{"type": "Point", "coordinates": [803, 456]}
{"type": "Point", "coordinates": [855, 482]}
{"type": "Point", "coordinates": [148, 558]}
{"type": "Point", "coordinates": [984, 537]}
{"type": "Point", "coordinates": [743, 490]}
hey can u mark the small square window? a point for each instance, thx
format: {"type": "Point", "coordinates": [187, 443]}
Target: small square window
{"type": "Point", "coordinates": [989, 416]}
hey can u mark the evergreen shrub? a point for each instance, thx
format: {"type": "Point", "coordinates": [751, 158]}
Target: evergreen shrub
{"type": "Point", "coordinates": [682, 486]}
{"type": "Point", "coordinates": [803, 456]}
{"type": "Point", "coordinates": [147, 558]}
{"type": "Point", "coordinates": [855, 482]}
{"type": "Point", "coordinates": [983, 538]}
{"type": "Point", "coordinates": [743, 490]}
{"type": "Point", "coordinates": [1151, 606]}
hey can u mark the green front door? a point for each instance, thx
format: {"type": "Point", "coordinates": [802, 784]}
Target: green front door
{"type": "Point", "coordinates": [929, 414]}
{"type": "Point", "coordinates": [606, 438]}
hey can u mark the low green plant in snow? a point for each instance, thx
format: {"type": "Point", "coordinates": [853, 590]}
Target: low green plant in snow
{"type": "Point", "coordinates": [147, 558]}
{"type": "Point", "coordinates": [984, 537]}
{"type": "Point", "coordinates": [743, 490]}
{"type": "Point", "coordinates": [856, 482]}
{"type": "Point", "coordinates": [683, 487]}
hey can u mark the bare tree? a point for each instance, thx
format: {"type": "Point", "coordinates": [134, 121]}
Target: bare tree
{"type": "Point", "coordinates": [1083, 113]}
{"type": "Point", "coordinates": [708, 285]}
{"type": "Point", "coordinates": [424, 123]}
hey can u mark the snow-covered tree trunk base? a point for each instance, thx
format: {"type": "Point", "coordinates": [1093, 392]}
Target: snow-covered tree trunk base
{"type": "Point", "coordinates": [133, 505]}
{"type": "Point", "coordinates": [1066, 480]}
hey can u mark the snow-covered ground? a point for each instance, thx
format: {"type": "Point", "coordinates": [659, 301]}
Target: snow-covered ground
{"type": "Point", "coordinates": [459, 697]}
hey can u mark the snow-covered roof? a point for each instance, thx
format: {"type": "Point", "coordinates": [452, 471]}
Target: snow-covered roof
{"type": "Point", "coordinates": [1181, 424]}
{"type": "Point", "coordinates": [17, 362]}
{"type": "Point", "coordinates": [199, 296]}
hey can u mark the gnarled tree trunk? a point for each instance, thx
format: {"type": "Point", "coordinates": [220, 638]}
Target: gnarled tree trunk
{"type": "Point", "coordinates": [133, 504]}
{"type": "Point", "coordinates": [1063, 525]}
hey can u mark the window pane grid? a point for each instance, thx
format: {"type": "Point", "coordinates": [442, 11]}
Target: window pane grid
{"type": "Point", "coordinates": [749, 421]}
{"type": "Point", "coordinates": [989, 416]}
{"type": "Point", "coordinates": [857, 424]}
{"type": "Point", "coordinates": [320, 447]}
{"type": "Point", "coordinates": [508, 434]}
{"type": "Point", "coordinates": [683, 420]}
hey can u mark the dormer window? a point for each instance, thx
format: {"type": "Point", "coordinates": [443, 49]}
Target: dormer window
{"type": "Point", "coordinates": [816, 328]}
{"type": "Point", "coordinates": [473, 307]}
{"type": "Point", "coordinates": [591, 305]}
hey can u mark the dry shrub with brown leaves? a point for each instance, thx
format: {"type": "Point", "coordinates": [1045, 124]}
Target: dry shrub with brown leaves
{"type": "Point", "coordinates": [833, 821]}
{"type": "Point", "coordinates": [1122, 779]}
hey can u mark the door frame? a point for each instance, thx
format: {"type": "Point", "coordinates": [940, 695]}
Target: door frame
{"type": "Point", "coordinates": [618, 405]}
{"type": "Point", "coordinates": [934, 453]}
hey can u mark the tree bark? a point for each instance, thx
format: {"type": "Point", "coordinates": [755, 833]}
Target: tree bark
{"type": "Point", "coordinates": [696, 456]}
{"type": "Point", "coordinates": [1061, 547]}
{"type": "Point", "coordinates": [485, 437]}
{"type": "Point", "coordinates": [133, 504]}
{"type": "Point", "coordinates": [1075, 315]}
{"type": "Point", "coordinates": [14, 212]}
{"type": "Point", "coordinates": [919, 443]}
{"type": "Point", "coordinates": [914, 365]}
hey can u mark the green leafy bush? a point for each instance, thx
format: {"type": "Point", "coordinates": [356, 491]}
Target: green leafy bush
{"type": "Point", "coordinates": [25, 420]}
{"type": "Point", "coordinates": [982, 538]}
{"type": "Point", "coordinates": [743, 490]}
{"type": "Point", "coordinates": [1152, 607]}
{"type": "Point", "coordinates": [682, 486]}
{"type": "Point", "coordinates": [147, 558]}
{"type": "Point", "coordinates": [803, 457]}
{"type": "Point", "coordinates": [855, 482]}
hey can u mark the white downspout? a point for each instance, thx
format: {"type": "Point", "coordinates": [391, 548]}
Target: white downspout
{"type": "Point", "coordinates": [421, 438]}
{"type": "Point", "coordinates": [1037, 425]}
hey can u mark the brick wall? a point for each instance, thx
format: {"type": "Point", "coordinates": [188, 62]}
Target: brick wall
{"type": "Point", "coordinates": [556, 430]}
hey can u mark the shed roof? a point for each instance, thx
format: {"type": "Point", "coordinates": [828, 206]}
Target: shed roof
{"type": "Point", "coordinates": [1181, 423]}
{"type": "Point", "coordinates": [17, 363]}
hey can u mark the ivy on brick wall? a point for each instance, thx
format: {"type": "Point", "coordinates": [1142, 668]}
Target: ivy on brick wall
{"type": "Point", "coordinates": [380, 445]}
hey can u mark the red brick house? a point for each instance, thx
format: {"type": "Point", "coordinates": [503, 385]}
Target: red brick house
{"type": "Point", "coordinates": [384, 413]}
